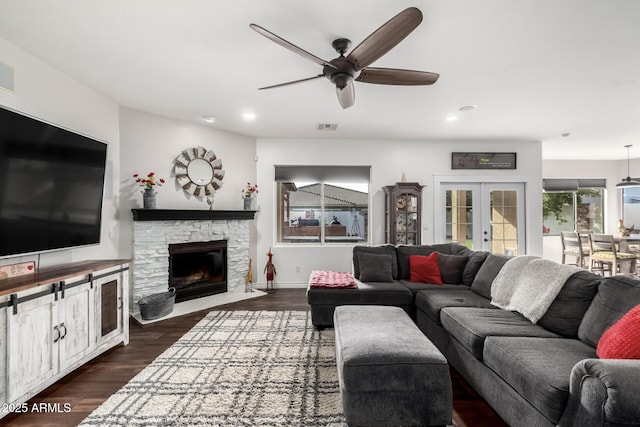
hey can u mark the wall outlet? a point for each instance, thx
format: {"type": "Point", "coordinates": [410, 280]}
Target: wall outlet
{"type": "Point", "coordinates": [297, 269]}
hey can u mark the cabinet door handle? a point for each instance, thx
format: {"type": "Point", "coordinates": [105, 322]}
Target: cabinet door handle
{"type": "Point", "coordinates": [57, 338]}
{"type": "Point", "coordinates": [62, 325]}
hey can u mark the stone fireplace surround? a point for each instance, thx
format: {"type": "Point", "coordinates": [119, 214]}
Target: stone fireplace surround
{"type": "Point", "coordinates": [155, 229]}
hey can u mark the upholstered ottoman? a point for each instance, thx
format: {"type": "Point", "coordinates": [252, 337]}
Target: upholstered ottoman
{"type": "Point", "coordinates": [390, 373]}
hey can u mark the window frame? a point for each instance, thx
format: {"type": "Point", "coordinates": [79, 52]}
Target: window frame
{"type": "Point", "coordinates": [574, 203]}
{"type": "Point", "coordinates": [322, 241]}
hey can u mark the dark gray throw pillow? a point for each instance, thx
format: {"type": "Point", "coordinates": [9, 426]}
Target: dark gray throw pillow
{"type": "Point", "coordinates": [452, 267]}
{"type": "Point", "coordinates": [375, 267]}
{"type": "Point", "coordinates": [565, 314]}
{"type": "Point", "coordinates": [484, 278]}
{"type": "Point", "coordinates": [383, 249]}
{"type": "Point", "coordinates": [615, 297]}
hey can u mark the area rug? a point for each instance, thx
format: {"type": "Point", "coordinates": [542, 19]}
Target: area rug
{"type": "Point", "coordinates": [235, 368]}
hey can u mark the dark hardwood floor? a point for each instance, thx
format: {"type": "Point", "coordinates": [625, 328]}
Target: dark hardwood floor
{"type": "Point", "coordinates": [90, 385]}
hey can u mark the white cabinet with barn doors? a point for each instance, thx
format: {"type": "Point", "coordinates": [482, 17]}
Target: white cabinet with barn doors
{"type": "Point", "coordinates": [55, 320]}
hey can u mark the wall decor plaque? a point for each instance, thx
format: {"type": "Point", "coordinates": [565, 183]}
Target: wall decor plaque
{"type": "Point", "coordinates": [483, 160]}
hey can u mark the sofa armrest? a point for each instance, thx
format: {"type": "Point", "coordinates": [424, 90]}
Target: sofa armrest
{"type": "Point", "coordinates": [603, 392]}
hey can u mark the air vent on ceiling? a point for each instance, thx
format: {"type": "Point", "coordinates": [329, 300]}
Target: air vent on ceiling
{"type": "Point", "coordinates": [327, 126]}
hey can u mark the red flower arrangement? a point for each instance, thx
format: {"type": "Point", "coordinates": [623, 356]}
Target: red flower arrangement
{"type": "Point", "coordinates": [250, 189]}
{"type": "Point", "coordinates": [149, 182]}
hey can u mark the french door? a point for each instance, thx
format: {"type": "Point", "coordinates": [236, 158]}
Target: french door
{"type": "Point", "coordinates": [483, 216]}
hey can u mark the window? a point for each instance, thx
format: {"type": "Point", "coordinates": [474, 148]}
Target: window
{"type": "Point", "coordinates": [334, 208]}
{"type": "Point", "coordinates": [631, 206]}
{"type": "Point", "coordinates": [567, 205]}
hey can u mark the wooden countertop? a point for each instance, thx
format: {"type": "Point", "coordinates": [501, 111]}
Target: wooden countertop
{"type": "Point", "coordinates": [49, 275]}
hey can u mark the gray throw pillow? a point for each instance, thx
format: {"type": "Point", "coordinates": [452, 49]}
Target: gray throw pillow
{"type": "Point", "coordinates": [382, 249]}
{"type": "Point", "coordinates": [484, 278]}
{"type": "Point", "coordinates": [451, 268]}
{"type": "Point", "coordinates": [565, 314]}
{"type": "Point", "coordinates": [476, 259]}
{"type": "Point", "coordinates": [615, 297]}
{"type": "Point", "coordinates": [375, 267]}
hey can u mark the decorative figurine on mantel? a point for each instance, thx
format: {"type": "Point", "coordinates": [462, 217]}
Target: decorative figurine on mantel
{"type": "Point", "coordinates": [270, 270]}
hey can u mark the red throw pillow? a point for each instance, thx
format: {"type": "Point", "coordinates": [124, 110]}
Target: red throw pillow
{"type": "Point", "coordinates": [622, 339]}
{"type": "Point", "coordinates": [425, 269]}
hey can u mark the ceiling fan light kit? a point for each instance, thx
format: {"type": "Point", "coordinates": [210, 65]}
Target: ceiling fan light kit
{"type": "Point", "coordinates": [628, 182]}
{"type": "Point", "coordinates": [343, 70]}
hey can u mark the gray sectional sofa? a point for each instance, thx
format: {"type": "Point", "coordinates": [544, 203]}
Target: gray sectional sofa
{"type": "Point", "coordinates": [541, 374]}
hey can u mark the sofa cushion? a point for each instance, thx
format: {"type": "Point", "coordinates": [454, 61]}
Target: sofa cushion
{"type": "Point", "coordinates": [375, 267]}
{"type": "Point", "coordinates": [537, 368]}
{"type": "Point", "coordinates": [567, 310]}
{"type": "Point", "coordinates": [432, 302]}
{"type": "Point", "coordinates": [384, 249]}
{"type": "Point", "coordinates": [421, 286]}
{"type": "Point", "coordinates": [616, 296]}
{"type": "Point", "coordinates": [476, 259]}
{"type": "Point", "coordinates": [487, 272]}
{"type": "Point", "coordinates": [452, 267]}
{"type": "Point", "coordinates": [622, 340]}
{"type": "Point", "coordinates": [375, 293]}
{"type": "Point", "coordinates": [404, 252]}
{"type": "Point", "coordinates": [471, 326]}
{"type": "Point", "coordinates": [425, 269]}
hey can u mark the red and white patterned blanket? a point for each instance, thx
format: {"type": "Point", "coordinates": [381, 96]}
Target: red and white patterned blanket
{"type": "Point", "coordinates": [332, 279]}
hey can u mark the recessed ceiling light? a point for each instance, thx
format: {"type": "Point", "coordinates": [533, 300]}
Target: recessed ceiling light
{"type": "Point", "coordinates": [248, 117]}
{"type": "Point", "coordinates": [564, 135]}
{"type": "Point", "coordinates": [468, 107]}
{"type": "Point", "coordinates": [451, 118]}
{"type": "Point", "coordinates": [209, 119]}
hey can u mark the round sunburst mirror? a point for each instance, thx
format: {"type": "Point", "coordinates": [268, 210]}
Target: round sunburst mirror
{"type": "Point", "coordinates": [198, 171]}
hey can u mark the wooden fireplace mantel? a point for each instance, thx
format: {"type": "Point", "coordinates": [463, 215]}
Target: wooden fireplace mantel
{"type": "Point", "coordinates": [190, 214]}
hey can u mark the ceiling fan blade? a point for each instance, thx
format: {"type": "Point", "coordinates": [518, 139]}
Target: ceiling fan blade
{"type": "Point", "coordinates": [293, 48]}
{"type": "Point", "coordinates": [292, 82]}
{"type": "Point", "coordinates": [347, 96]}
{"type": "Point", "coordinates": [385, 38]}
{"type": "Point", "coordinates": [395, 76]}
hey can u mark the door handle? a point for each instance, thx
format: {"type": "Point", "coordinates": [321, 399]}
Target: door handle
{"type": "Point", "coordinates": [62, 325]}
{"type": "Point", "coordinates": [57, 338]}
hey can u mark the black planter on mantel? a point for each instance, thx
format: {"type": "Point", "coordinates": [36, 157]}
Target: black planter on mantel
{"type": "Point", "coordinates": [189, 214]}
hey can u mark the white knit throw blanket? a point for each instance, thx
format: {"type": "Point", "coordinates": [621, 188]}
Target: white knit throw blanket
{"type": "Point", "coordinates": [529, 285]}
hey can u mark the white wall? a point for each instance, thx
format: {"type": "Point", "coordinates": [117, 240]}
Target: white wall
{"type": "Point", "coordinates": [612, 170]}
{"type": "Point", "coordinates": [419, 160]}
{"type": "Point", "coordinates": [46, 93]}
{"type": "Point", "coordinates": [150, 143]}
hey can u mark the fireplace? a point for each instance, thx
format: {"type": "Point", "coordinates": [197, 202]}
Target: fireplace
{"type": "Point", "coordinates": [198, 269]}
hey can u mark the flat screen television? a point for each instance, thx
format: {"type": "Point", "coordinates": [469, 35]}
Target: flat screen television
{"type": "Point", "coordinates": [51, 186]}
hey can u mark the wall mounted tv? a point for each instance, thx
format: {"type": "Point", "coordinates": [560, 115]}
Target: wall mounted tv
{"type": "Point", "coordinates": [51, 184]}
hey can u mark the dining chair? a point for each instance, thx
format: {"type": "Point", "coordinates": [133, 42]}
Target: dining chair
{"type": "Point", "coordinates": [572, 246]}
{"type": "Point", "coordinates": [605, 257]}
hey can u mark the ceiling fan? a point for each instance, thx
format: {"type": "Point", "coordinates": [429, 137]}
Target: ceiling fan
{"type": "Point", "coordinates": [342, 71]}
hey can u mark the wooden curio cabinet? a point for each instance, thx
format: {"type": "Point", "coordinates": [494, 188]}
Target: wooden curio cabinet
{"type": "Point", "coordinates": [403, 205]}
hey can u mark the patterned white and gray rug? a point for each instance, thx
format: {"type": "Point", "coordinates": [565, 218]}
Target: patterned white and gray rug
{"type": "Point", "coordinates": [235, 368]}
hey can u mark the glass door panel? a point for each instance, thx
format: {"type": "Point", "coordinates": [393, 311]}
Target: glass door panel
{"type": "Point", "coordinates": [483, 216]}
{"type": "Point", "coordinates": [459, 217]}
{"type": "Point", "coordinates": [504, 222]}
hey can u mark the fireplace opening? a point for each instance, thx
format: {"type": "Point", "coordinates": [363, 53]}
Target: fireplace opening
{"type": "Point", "coordinates": [198, 269]}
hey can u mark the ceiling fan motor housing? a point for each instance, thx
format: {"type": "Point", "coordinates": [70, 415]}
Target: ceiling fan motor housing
{"type": "Point", "coordinates": [343, 72]}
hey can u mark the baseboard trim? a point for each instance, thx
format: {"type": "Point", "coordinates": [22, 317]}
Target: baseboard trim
{"type": "Point", "coordinates": [280, 285]}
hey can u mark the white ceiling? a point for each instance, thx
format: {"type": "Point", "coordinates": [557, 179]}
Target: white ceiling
{"type": "Point", "coordinates": [535, 68]}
